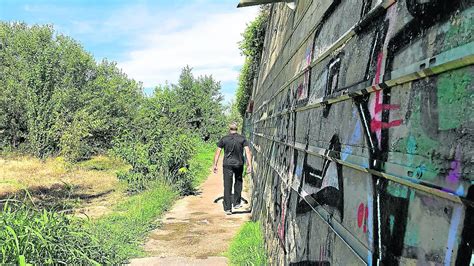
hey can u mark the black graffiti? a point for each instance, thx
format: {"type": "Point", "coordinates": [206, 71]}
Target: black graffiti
{"type": "Point", "coordinates": [332, 81]}
{"type": "Point", "coordinates": [425, 15]}
{"type": "Point", "coordinates": [314, 178]}
{"type": "Point", "coordinates": [430, 10]}
{"type": "Point", "coordinates": [365, 7]}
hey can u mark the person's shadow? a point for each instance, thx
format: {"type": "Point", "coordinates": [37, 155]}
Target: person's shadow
{"type": "Point", "coordinates": [235, 212]}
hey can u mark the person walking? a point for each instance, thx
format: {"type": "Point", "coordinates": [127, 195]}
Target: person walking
{"type": "Point", "coordinates": [234, 145]}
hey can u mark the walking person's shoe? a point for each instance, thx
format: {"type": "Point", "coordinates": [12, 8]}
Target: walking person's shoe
{"type": "Point", "coordinates": [228, 212]}
{"type": "Point", "coordinates": [238, 206]}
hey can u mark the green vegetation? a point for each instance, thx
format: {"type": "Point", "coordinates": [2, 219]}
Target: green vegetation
{"type": "Point", "coordinates": [55, 100]}
{"type": "Point", "coordinates": [200, 165]}
{"type": "Point", "coordinates": [52, 237]}
{"type": "Point", "coordinates": [46, 237]}
{"type": "Point", "coordinates": [168, 128]}
{"type": "Point", "coordinates": [251, 47]}
{"type": "Point", "coordinates": [120, 233]}
{"type": "Point", "coordinates": [247, 248]}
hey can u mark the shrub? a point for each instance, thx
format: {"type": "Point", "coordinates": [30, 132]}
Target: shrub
{"type": "Point", "coordinates": [163, 159]}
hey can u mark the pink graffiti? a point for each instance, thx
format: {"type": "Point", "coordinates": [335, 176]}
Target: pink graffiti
{"type": "Point", "coordinates": [309, 54]}
{"type": "Point", "coordinates": [378, 69]}
{"type": "Point", "coordinates": [322, 253]}
{"type": "Point", "coordinates": [281, 226]}
{"type": "Point", "coordinates": [362, 217]}
{"type": "Point", "coordinates": [376, 124]}
{"type": "Point", "coordinates": [455, 173]}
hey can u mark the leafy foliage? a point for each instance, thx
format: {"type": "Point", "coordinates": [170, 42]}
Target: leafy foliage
{"type": "Point", "coordinates": [251, 46]}
{"type": "Point", "coordinates": [55, 98]}
{"type": "Point", "coordinates": [167, 129]}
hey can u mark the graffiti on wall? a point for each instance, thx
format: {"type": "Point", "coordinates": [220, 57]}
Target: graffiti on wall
{"type": "Point", "coordinates": [416, 131]}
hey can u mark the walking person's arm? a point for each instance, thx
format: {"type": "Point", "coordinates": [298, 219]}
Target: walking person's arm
{"type": "Point", "coordinates": [216, 159]}
{"type": "Point", "coordinates": [248, 155]}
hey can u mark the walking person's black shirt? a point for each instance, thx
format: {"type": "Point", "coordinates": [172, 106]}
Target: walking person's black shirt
{"type": "Point", "coordinates": [233, 145]}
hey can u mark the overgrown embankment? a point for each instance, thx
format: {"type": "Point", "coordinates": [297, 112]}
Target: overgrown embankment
{"type": "Point", "coordinates": [42, 235]}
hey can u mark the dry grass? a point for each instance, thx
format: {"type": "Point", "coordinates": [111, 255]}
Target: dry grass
{"type": "Point", "coordinates": [92, 184]}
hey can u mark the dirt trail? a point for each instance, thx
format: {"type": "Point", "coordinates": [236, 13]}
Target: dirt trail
{"type": "Point", "coordinates": [196, 231]}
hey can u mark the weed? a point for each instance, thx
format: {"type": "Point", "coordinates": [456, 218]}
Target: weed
{"type": "Point", "coordinates": [28, 235]}
{"type": "Point", "coordinates": [103, 163]}
{"type": "Point", "coordinates": [247, 247]}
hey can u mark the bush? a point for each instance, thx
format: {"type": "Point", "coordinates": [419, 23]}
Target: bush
{"type": "Point", "coordinates": [165, 159]}
{"type": "Point", "coordinates": [46, 237]}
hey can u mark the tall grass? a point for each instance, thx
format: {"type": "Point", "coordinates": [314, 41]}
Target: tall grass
{"type": "Point", "coordinates": [247, 247]}
{"type": "Point", "coordinates": [38, 237]}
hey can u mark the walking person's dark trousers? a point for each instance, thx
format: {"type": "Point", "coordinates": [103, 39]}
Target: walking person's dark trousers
{"type": "Point", "coordinates": [229, 172]}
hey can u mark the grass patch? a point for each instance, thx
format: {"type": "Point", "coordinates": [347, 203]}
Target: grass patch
{"type": "Point", "coordinates": [247, 247]}
{"type": "Point", "coordinates": [201, 163]}
{"type": "Point", "coordinates": [104, 163]}
{"type": "Point", "coordinates": [91, 177]}
{"type": "Point", "coordinates": [122, 232]}
{"type": "Point", "coordinates": [38, 237]}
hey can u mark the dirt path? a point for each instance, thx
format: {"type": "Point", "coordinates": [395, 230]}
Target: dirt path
{"type": "Point", "coordinates": [196, 231]}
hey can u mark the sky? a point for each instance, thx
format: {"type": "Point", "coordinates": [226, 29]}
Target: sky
{"type": "Point", "coordinates": [150, 40]}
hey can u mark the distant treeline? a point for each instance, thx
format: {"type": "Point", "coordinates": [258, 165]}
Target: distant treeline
{"type": "Point", "coordinates": [55, 99]}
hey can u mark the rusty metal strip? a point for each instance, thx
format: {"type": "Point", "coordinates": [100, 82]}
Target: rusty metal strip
{"type": "Point", "coordinates": [334, 46]}
{"type": "Point", "coordinates": [357, 247]}
{"type": "Point", "coordinates": [418, 185]}
{"type": "Point", "coordinates": [458, 57]}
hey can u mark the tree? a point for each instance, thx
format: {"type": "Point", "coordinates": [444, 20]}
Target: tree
{"type": "Point", "coordinates": [56, 98]}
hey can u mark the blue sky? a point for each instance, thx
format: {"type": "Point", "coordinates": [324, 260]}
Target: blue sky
{"type": "Point", "coordinates": [150, 40]}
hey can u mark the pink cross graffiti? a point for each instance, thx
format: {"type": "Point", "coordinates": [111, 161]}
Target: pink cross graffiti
{"type": "Point", "coordinates": [376, 124]}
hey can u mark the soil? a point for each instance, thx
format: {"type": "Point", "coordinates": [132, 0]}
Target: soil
{"type": "Point", "coordinates": [196, 231]}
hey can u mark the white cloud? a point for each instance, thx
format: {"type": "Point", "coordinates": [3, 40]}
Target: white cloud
{"type": "Point", "coordinates": [202, 39]}
{"type": "Point", "coordinates": [228, 97]}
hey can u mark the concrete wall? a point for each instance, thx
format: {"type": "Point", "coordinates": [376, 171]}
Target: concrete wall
{"type": "Point", "coordinates": [362, 133]}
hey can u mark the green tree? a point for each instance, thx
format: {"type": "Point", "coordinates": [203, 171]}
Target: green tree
{"type": "Point", "coordinates": [56, 98]}
{"type": "Point", "coordinates": [167, 128]}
